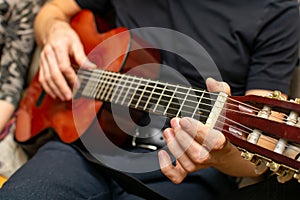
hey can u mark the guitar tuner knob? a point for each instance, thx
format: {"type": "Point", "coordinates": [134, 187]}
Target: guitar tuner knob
{"type": "Point", "coordinates": [247, 155]}
{"type": "Point", "coordinates": [277, 95]}
{"type": "Point", "coordinates": [286, 176]}
{"type": "Point", "coordinates": [297, 176]}
{"type": "Point", "coordinates": [297, 100]}
{"type": "Point", "coordinates": [273, 166]}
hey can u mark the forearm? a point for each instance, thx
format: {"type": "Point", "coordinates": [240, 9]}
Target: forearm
{"type": "Point", "coordinates": [7, 110]}
{"type": "Point", "coordinates": [228, 164]}
{"type": "Point", "coordinates": [51, 13]}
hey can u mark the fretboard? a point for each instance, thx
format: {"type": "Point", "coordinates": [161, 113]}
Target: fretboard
{"type": "Point", "coordinates": [145, 94]}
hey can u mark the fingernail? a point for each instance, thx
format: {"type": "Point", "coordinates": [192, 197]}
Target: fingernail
{"type": "Point", "coordinates": [185, 123]}
{"type": "Point", "coordinates": [175, 122]}
{"type": "Point", "coordinates": [168, 134]}
{"type": "Point", "coordinates": [212, 80]}
{"type": "Point", "coordinates": [163, 159]}
{"type": "Point", "coordinates": [68, 96]}
{"type": "Point", "coordinates": [90, 64]}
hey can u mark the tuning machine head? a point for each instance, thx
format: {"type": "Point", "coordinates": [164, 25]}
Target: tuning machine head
{"type": "Point", "coordinates": [297, 100]}
{"type": "Point", "coordinates": [277, 95]}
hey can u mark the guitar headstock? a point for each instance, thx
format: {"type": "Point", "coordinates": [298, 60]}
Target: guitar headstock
{"type": "Point", "coordinates": [266, 130]}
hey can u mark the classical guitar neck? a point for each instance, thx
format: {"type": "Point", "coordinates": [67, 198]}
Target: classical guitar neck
{"type": "Point", "coordinates": [151, 96]}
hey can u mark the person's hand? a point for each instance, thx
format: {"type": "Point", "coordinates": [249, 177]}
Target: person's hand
{"type": "Point", "coordinates": [193, 144]}
{"type": "Point", "coordinates": [56, 73]}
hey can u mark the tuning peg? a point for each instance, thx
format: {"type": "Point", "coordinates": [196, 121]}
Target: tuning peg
{"type": "Point", "coordinates": [259, 162]}
{"type": "Point", "coordinates": [277, 95]}
{"type": "Point", "coordinates": [297, 100]}
{"type": "Point", "coordinates": [294, 119]}
{"type": "Point", "coordinates": [297, 176]}
{"type": "Point", "coordinates": [273, 166]}
{"type": "Point", "coordinates": [247, 155]}
{"type": "Point", "coordinates": [261, 167]}
{"type": "Point", "coordinates": [283, 173]}
{"type": "Point", "coordinates": [288, 175]}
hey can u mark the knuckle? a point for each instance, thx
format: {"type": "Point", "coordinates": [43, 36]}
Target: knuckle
{"type": "Point", "coordinates": [203, 157]}
{"type": "Point", "coordinates": [64, 68]}
{"type": "Point", "coordinates": [41, 79]}
{"type": "Point", "coordinates": [177, 180]}
{"type": "Point", "coordinates": [54, 78]}
{"type": "Point", "coordinates": [190, 168]}
{"type": "Point", "coordinates": [47, 50]}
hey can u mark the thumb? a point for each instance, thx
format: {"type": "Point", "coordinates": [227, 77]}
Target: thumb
{"type": "Point", "coordinates": [217, 86]}
{"type": "Point", "coordinates": [81, 58]}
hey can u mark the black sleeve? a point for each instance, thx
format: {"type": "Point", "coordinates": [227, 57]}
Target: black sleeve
{"type": "Point", "coordinates": [275, 52]}
{"type": "Point", "coordinates": [96, 6]}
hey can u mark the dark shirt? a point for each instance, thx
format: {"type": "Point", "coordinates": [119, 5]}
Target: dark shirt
{"type": "Point", "coordinates": [254, 43]}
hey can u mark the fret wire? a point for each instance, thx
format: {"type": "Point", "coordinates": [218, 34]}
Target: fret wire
{"type": "Point", "coordinates": [192, 89]}
{"type": "Point", "coordinates": [134, 93]}
{"type": "Point", "coordinates": [162, 100]}
{"type": "Point", "coordinates": [179, 86]}
{"type": "Point", "coordinates": [122, 88]}
{"type": "Point", "coordinates": [198, 104]}
{"type": "Point", "coordinates": [173, 108]}
{"type": "Point", "coordinates": [171, 100]}
{"type": "Point", "coordinates": [101, 84]}
{"type": "Point", "coordinates": [113, 85]}
{"type": "Point", "coordinates": [88, 85]}
{"type": "Point", "coordinates": [125, 96]}
{"type": "Point", "coordinates": [169, 95]}
{"type": "Point", "coordinates": [101, 78]}
{"type": "Point", "coordinates": [92, 85]}
{"type": "Point", "coordinates": [160, 97]}
{"type": "Point", "coordinates": [183, 102]}
{"type": "Point", "coordinates": [150, 97]}
{"type": "Point", "coordinates": [186, 106]}
{"type": "Point", "coordinates": [141, 95]}
{"type": "Point", "coordinates": [96, 85]}
{"type": "Point", "coordinates": [169, 114]}
{"type": "Point", "coordinates": [107, 84]}
{"type": "Point", "coordinates": [199, 101]}
{"type": "Point", "coordinates": [84, 86]}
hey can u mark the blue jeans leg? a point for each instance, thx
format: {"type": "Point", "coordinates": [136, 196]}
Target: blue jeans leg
{"type": "Point", "coordinates": [59, 172]}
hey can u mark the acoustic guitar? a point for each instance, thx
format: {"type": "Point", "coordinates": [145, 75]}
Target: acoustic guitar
{"type": "Point", "coordinates": [265, 129]}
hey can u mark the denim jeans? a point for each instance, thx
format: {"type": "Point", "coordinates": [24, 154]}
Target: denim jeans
{"type": "Point", "coordinates": [58, 171]}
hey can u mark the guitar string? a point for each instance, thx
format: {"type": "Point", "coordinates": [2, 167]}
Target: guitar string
{"type": "Point", "coordinates": [181, 93]}
{"type": "Point", "coordinates": [97, 80]}
{"type": "Point", "coordinates": [235, 122]}
{"type": "Point", "coordinates": [168, 90]}
{"type": "Point", "coordinates": [170, 108]}
{"type": "Point", "coordinates": [201, 103]}
{"type": "Point", "coordinates": [175, 105]}
{"type": "Point", "coordinates": [203, 110]}
{"type": "Point", "coordinates": [291, 147]}
{"type": "Point", "coordinates": [241, 131]}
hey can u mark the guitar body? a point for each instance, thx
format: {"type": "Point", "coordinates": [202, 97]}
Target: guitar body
{"type": "Point", "coordinates": [38, 111]}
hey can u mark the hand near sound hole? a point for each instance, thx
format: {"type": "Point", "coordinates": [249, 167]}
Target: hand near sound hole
{"type": "Point", "coordinates": [56, 73]}
{"type": "Point", "coordinates": [193, 144]}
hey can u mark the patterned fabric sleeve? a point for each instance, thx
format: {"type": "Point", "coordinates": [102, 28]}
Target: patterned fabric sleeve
{"type": "Point", "coordinates": [17, 44]}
